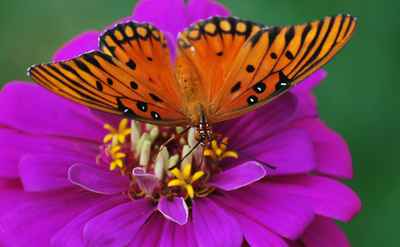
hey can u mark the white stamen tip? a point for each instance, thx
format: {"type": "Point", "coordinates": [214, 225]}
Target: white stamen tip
{"type": "Point", "coordinates": [179, 130]}
{"type": "Point", "coordinates": [154, 132]}
{"type": "Point", "coordinates": [191, 137]}
{"type": "Point", "coordinates": [149, 126]}
{"type": "Point", "coordinates": [159, 166]}
{"type": "Point", "coordinates": [173, 160]}
{"type": "Point", "coordinates": [145, 153]}
{"type": "Point", "coordinates": [140, 142]}
{"type": "Point", "coordinates": [185, 152]}
{"type": "Point", "coordinates": [135, 134]}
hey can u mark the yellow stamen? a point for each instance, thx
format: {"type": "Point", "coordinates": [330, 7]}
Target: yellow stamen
{"type": "Point", "coordinates": [117, 158]}
{"type": "Point", "coordinates": [117, 136]}
{"type": "Point", "coordinates": [218, 151]}
{"type": "Point", "coordinates": [184, 179]}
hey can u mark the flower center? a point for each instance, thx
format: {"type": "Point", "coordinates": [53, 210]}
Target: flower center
{"type": "Point", "coordinates": [161, 161]}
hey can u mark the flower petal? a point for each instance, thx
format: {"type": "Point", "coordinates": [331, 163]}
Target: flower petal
{"type": "Point", "coordinates": [202, 9]}
{"type": "Point", "coordinates": [15, 144]}
{"type": "Point", "coordinates": [285, 215]}
{"type": "Point", "coordinates": [117, 226]}
{"type": "Point", "coordinates": [71, 234]}
{"type": "Point", "coordinates": [308, 84]}
{"type": "Point", "coordinates": [147, 182]}
{"type": "Point", "coordinates": [213, 226]}
{"type": "Point", "coordinates": [258, 125]}
{"type": "Point", "coordinates": [238, 176]}
{"type": "Point", "coordinates": [82, 43]}
{"type": "Point", "coordinates": [258, 235]}
{"type": "Point", "coordinates": [45, 172]}
{"type": "Point", "coordinates": [174, 235]}
{"type": "Point", "coordinates": [33, 109]}
{"type": "Point", "coordinates": [290, 152]}
{"type": "Point", "coordinates": [174, 209]}
{"type": "Point", "coordinates": [97, 179]}
{"type": "Point", "coordinates": [27, 217]}
{"type": "Point", "coordinates": [169, 16]}
{"type": "Point", "coordinates": [332, 153]}
{"type": "Point", "coordinates": [328, 197]}
{"type": "Point", "coordinates": [150, 233]}
{"type": "Point", "coordinates": [324, 232]}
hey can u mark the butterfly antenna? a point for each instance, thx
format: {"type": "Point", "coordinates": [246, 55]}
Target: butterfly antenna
{"type": "Point", "coordinates": [186, 155]}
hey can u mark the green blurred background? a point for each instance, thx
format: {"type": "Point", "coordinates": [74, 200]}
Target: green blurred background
{"type": "Point", "coordinates": [358, 99]}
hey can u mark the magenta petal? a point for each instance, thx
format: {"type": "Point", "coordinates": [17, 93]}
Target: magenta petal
{"type": "Point", "coordinates": [284, 214]}
{"type": "Point", "coordinates": [149, 233]}
{"type": "Point", "coordinates": [332, 153]}
{"type": "Point", "coordinates": [213, 226]}
{"type": "Point", "coordinates": [239, 176]}
{"type": "Point", "coordinates": [174, 209]}
{"type": "Point", "coordinates": [97, 179]}
{"type": "Point", "coordinates": [71, 234]}
{"type": "Point", "coordinates": [202, 9]}
{"type": "Point", "coordinates": [290, 152]}
{"type": "Point", "coordinates": [45, 172]}
{"type": "Point", "coordinates": [324, 232]}
{"type": "Point", "coordinates": [30, 219]}
{"type": "Point", "coordinates": [169, 16]}
{"type": "Point", "coordinates": [174, 235]}
{"type": "Point", "coordinates": [327, 196]}
{"type": "Point", "coordinates": [57, 116]}
{"type": "Point", "coordinates": [258, 125]}
{"type": "Point", "coordinates": [258, 235]}
{"type": "Point", "coordinates": [147, 182]}
{"type": "Point", "coordinates": [308, 84]}
{"type": "Point", "coordinates": [117, 226]}
{"type": "Point", "coordinates": [15, 144]}
{"type": "Point", "coordinates": [82, 43]}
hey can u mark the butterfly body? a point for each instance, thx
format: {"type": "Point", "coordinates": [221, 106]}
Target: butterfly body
{"type": "Point", "coordinates": [224, 68]}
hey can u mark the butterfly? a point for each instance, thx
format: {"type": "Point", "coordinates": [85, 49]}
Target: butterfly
{"type": "Point", "coordinates": [224, 68]}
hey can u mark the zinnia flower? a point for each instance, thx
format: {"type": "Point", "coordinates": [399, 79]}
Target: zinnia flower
{"type": "Point", "coordinates": [75, 177]}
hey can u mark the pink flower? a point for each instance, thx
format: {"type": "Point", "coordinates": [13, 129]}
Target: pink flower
{"type": "Point", "coordinates": [58, 190]}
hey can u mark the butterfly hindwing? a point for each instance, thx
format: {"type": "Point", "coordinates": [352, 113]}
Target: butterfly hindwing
{"type": "Point", "coordinates": [277, 58]}
{"type": "Point", "coordinates": [112, 84]}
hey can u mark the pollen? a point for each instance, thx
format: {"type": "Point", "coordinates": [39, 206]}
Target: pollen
{"type": "Point", "coordinates": [185, 179]}
{"type": "Point", "coordinates": [117, 136]}
{"type": "Point", "coordinates": [218, 151]}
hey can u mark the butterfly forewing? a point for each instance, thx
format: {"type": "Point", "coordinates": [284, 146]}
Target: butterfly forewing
{"type": "Point", "coordinates": [277, 58]}
{"type": "Point", "coordinates": [121, 80]}
{"type": "Point", "coordinates": [211, 46]}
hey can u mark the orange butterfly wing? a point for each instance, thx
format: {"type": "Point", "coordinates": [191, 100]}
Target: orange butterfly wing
{"type": "Point", "coordinates": [275, 59]}
{"type": "Point", "coordinates": [210, 47]}
{"type": "Point", "coordinates": [133, 77]}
